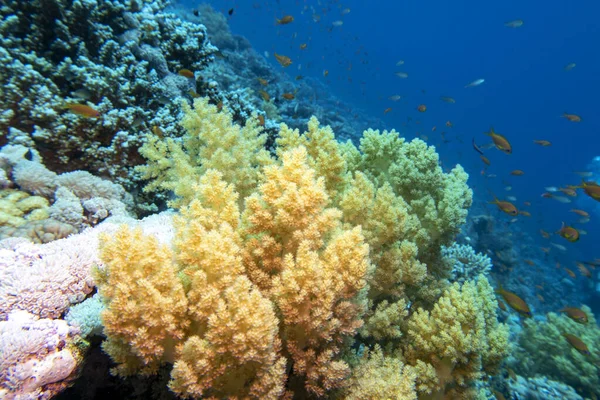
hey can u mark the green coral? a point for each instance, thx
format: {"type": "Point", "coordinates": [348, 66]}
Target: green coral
{"type": "Point", "coordinates": [543, 350]}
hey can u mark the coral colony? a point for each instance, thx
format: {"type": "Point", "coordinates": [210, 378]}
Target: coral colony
{"type": "Point", "coordinates": [155, 211]}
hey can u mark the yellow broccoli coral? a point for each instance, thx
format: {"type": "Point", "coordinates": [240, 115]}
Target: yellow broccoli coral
{"type": "Point", "coordinates": [146, 307]}
{"type": "Point", "coordinates": [460, 338]}
{"type": "Point", "coordinates": [278, 264]}
{"type": "Point", "coordinates": [212, 142]}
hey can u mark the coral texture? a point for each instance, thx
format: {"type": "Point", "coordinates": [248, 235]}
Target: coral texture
{"type": "Point", "coordinates": [321, 242]}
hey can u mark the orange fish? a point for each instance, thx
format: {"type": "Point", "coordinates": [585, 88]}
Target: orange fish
{"type": "Point", "coordinates": [584, 271]}
{"type": "Point", "coordinates": [545, 234]}
{"type": "Point", "coordinates": [580, 212]}
{"type": "Point", "coordinates": [572, 117]}
{"type": "Point", "coordinates": [543, 143]}
{"type": "Point", "coordinates": [517, 172]}
{"type": "Point", "coordinates": [303, 46]}
{"type": "Point", "coordinates": [485, 160]}
{"type": "Point", "coordinates": [577, 343]}
{"type": "Point", "coordinates": [498, 395]}
{"type": "Point", "coordinates": [569, 233]}
{"type": "Point", "coordinates": [262, 81]}
{"type": "Point", "coordinates": [591, 188]}
{"type": "Point", "coordinates": [422, 108]}
{"type": "Point", "coordinates": [500, 141]}
{"type": "Point", "coordinates": [505, 206]}
{"type": "Point", "coordinates": [568, 191]}
{"type": "Point", "coordinates": [186, 73]}
{"type": "Point", "coordinates": [264, 95]}
{"type": "Point", "coordinates": [576, 314]}
{"type": "Point", "coordinates": [571, 273]}
{"type": "Point", "coordinates": [288, 96]}
{"type": "Point", "coordinates": [261, 120]}
{"type": "Point", "coordinates": [524, 213]}
{"type": "Point", "coordinates": [515, 302]}
{"type": "Point", "coordinates": [387, 110]}
{"type": "Point", "coordinates": [284, 20]}
{"type": "Point", "coordinates": [83, 110]}
{"type": "Point", "coordinates": [284, 61]}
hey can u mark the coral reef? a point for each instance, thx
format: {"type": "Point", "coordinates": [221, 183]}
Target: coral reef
{"type": "Point", "coordinates": [466, 263]}
{"type": "Point", "coordinates": [61, 204]}
{"type": "Point", "coordinates": [321, 241]}
{"type": "Point", "coordinates": [545, 351]}
{"type": "Point", "coordinates": [39, 356]}
{"type": "Point", "coordinates": [541, 388]}
{"type": "Point", "coordinates": [120, 58]}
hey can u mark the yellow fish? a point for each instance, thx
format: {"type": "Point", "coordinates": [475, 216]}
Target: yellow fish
{"type": "Point", "coordinates": [285, 61]}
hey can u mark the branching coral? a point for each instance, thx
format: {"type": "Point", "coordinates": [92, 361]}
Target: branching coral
{"type": "Point", "coordinates": [278, 263]}
{"type": "Point", "coordinates": [460, 338]}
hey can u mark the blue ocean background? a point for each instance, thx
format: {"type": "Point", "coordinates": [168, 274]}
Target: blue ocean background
{"type": "Point", "coordinates": [445, 46]}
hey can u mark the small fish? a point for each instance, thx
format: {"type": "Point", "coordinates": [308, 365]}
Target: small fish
{"type": "Point", "coordinates": [517, 172]}
{"type": "Point", "coordinates": [303, 46]}
{"type": "Point", "coordinates": [83, 110]}
{"type": "Point", "coordinates": [82, 94]}
{"type": "Point", "coordinates": [387, 110]}
{"type": "Point", "coordinates": [500, 141]}
{"type": "Point", "coordinates": [284, 20]}
{"type": "Point", "coordinates": [399, 63]}
{"type": "Point", "coordinates": [345, 11]}
{"type": "Point", "coordinates": [544, 234]}
{"type": "Point", "coordinates": [485, 160]}
{"type": "Point", "coordinates": [157, 130]}
{"type": "Point", "coordinates": [501, 305]}
{"type": "Point", "coordinates": [422, 108]}
{"type": "Point", "coordinates": [449, 124]}
{"type": "Point", "coordinates": [560, 199]}
{"type": "Point", "coordinates": [288, 96]}
{"type": "Point", "coordinates": [524, 213]}
{"type": "Point", "coordinates": [530, 263]}
{"type": "Point", "coordinates": [508, 188]}
{"type": "Point", "coordinates": [545, 249]}
{"type": "Point", "coordinates": [511, 198]}
{"type": "Point", "coordinates": [477, 149]}
{"type": "Point", "coordinates": [193, 94]}
{"type": "Point", "coordinates": [559, 246]}
{"type": "Point", "coordinates": [230, 12]}
{"type": "Point", "coordinates": [402, 75]}
{"type": "Point", "coordinates": [265, 96]}
{"type": "Point", "coordinates": [447, 99]}
{"type": "Point", "coordinates": [572, 117]}
{"type": "Point", "coordinates": [584, 271]}
{"type": "Point", "coordinates": [517, 23]}
{"type": "Point", "coordinates": [395, 97]}
{"type": "Point", "coordinates": [540, 297]}
{"type": "Point", "coordinates": [498, 395]}
{"type": "Point", "coordinates": [543, 143]}
{"type": "Point", "coordinates": [298, 77]}
{"type": "Point", "coordinates": [568, 191]}
{"type": "Point", "coordinates": [337, 23]}
{"type": "Point", "coordinates": [186, 73]}
{"type": "Point", "coordinates": [284, 61]}
{"type": "Point", "coordinates": [505, 206]}
{"type": "Point", "coordinates": [325, 73]}
{"type": "Point", "coordinates": [527, 203]}
{"type": "Point", "coordinates": [263, 81]}
{"type": "Point", "coordinates": [515, 302]}
{"type": "Point", "coordinates": [476, 82]}
{"type": "Point", "coordinates": [569, 233]}
{"type": "Point", "coordinates": [261, 120]}
{"type": "Point", "coordinates": [577, 343]}
{"type": "Point", "coordinates": [569, 67]}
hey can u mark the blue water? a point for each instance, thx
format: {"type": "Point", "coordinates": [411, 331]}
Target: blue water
{"type": "Point", "coordinates": [446, 45]}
